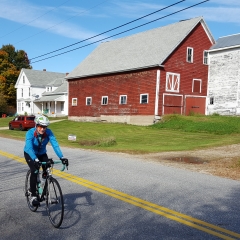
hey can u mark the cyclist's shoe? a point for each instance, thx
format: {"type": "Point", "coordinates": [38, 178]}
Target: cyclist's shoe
{"type": "Point", "coordinates": [34, 201]}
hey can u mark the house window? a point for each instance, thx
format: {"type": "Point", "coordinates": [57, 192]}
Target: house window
{"type": "Point", "coordinates": [211, 100]}
{"type": "Point", "coordinates": [62, 106]}
{"type": "Point", "coordinates": [197, 86]}
{"type": "Point", "coordinates": [22, 106]}
{"type": "Point", "coordinates": [189, 55]}
{"type": "Point", "coordinates": [88, 101]}
{"type": "Point", "coordinates": [123, 99]}
{"type": "Point", "coordinates": [104, 100]}
{"type": "Point", "coordinates": [29, 92]}
{"type": "Point", "coordinates": [22, 92]}
{"type": "Point", "coordinates": [144, 98]}
{"type": "Point", "coordinates": [205, 57]}
{"type": "Point", "coordinates": [19, 107]}
{"type": "Point", "coordinates": [74, 101]}
{"type": "Point", "coordinates": [23, 79]}
{"type": "Point", "coordinates": [172, 82]}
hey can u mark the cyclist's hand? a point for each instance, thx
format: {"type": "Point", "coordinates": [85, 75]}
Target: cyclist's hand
{"type": "Point", "coordinates": [64, 161]}
{"type": "Point", "coordinates": [37, 164]}
{"type": "Point", "coordinates": [49, 162]}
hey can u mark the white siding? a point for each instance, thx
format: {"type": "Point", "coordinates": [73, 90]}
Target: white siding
{"type": "Point", "coordinates": [223, 82]}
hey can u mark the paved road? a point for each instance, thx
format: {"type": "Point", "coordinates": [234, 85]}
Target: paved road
{"type": "Point", "coordinates": [116, 196]}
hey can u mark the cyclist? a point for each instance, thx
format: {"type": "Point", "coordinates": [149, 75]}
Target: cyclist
{"type": "Point", "coordinates": [35, 151]}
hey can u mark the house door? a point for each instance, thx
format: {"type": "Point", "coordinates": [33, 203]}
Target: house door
{"type": "Point", "coordinates": [172, 104]}
{"type": "Point", "coordinates": [195, 105]}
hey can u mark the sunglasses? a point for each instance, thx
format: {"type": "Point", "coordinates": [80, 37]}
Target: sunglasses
{"type": "Point", "coordinates": [42, 126]}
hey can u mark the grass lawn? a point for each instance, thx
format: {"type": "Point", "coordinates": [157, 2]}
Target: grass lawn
{"type": "Point", "coordinates": [173, 133]}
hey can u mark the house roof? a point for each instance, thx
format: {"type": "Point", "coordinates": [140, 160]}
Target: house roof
{"type": "Point", "coordinates": [141, 50]}
{"type": "Point", "coordinates": [39, 78]}
{"type": "Point", "coordinates": [51, 98]}
{"type": "Point", "coordinates": [227, 42]}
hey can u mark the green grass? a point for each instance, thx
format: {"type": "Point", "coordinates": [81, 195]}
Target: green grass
{"type": "Point", "coordinates": [173, 133]}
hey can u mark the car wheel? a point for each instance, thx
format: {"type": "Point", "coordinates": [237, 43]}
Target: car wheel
{"type": "Point", "coordinates": [21, 127]}
{"type": "Point", "coordinates": [10, 127]}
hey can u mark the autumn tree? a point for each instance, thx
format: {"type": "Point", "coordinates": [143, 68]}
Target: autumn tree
{"type": "Point", "coordinates": [11, 63]}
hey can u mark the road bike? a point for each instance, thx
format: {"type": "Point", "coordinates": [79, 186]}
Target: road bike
{"type": "Point", "coordinates": [48, 191]}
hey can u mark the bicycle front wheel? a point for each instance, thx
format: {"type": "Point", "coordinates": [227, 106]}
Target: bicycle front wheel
{"type": "Point", "coordinates": [28, 194]}
{"type": "Point", "coordinates": [54, 202]}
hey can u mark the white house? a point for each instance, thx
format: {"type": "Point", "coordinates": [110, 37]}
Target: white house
{"type": "Point", "coordinates": [223, 95]}
{"type": "Point", "coordinates": [42, 92]}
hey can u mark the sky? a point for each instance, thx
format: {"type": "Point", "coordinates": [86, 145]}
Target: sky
{"type": "Point", "coordinates": [73, 29]}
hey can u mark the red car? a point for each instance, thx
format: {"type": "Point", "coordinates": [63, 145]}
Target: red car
{"type": "Point", "coordinates": [22, 122]}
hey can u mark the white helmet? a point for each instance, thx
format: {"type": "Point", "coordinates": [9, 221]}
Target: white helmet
{"type": "Point", "coordinates": [41, 120]}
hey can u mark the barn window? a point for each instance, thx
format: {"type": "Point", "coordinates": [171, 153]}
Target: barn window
{"type": "Point", "coordinates": [88, 101]}
{"type": "Point", "coordinates": [211, 100]}
{"type": "Point", "coordinates": [104, 100]}
{"type": "Point", "coordinates": [144, 98]}
{"type": "Point", "coordinates": [172, 82]}
{"type": "Point", "coordinates": [197, 86]}
{"type": "Point", "coordinates": [189, 54]}
{"type": "Point", "coordinates": [74, 101]}
{"type": "Point", "coordinates": [205, 57]}
{"type": "Point", "coordinates": [123, 99]}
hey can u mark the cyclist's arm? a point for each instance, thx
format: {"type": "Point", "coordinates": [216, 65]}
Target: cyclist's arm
{"type": "Point", "coordinates": [29, 144]}
{"type": "Point", "coordinates": [54, 143]}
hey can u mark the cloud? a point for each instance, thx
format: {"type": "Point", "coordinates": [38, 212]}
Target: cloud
{"type": "Point", "coordinates": [25, 13]}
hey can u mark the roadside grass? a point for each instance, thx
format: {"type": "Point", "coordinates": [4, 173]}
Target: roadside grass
{"type": "Point", "coordinates": [173, 133]}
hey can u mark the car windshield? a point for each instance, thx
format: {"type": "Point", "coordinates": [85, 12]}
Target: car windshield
{"type": "Point", "coordinates": [30, 118]}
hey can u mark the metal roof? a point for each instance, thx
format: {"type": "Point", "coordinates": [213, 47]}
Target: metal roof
{"type": "Point", "coordinates": [50, 98]}
{"type": "Point", "coordinates": [39, 78]}
{"type": "Point", "coordinates": [141, 50]}
{"type": "Point", "coordinates": [226, 42]}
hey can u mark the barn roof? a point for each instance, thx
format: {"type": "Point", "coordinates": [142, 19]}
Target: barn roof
{"type": "Point", "coordinates": [141, 50]}
{"type": "Point", "coordinates": [227, 42]}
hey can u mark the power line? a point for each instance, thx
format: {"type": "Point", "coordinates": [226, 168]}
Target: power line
{"type": "Point", "coordinates": [60, 22]}
{"type": "Point", "coordinates": [108, 30]}
{"type": "Point", "coordinates": [33, 19]}
{"type": "Point", "coordinates": [123, 31]}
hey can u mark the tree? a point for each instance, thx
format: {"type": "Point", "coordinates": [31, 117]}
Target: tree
{"type": "Point", "coordinates": [11, 63]}
{"type": "Point", "coordinates": [18, 58]}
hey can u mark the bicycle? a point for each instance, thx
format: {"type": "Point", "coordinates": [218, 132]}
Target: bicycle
{"type": "Point", "coordinates": [50, 192]}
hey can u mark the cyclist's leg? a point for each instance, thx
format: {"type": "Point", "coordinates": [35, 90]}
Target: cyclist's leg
{"type": "Point", "coordinates": [33, 176]}
{"type": "Point", "coordinates": [43, 158]}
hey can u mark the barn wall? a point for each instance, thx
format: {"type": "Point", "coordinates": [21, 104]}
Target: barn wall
{"type": "Point", "coordinates": [223, 85]}
{"type": "Point", "coordinates": [177, 63]}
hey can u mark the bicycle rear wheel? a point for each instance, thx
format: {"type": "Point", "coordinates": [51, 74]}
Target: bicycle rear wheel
{"type": "Point", "coordinates": [28, 193]}
{"type": "Point", "coordinates": [54, 202]}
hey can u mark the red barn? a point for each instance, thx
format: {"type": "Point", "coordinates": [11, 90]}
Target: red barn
{"type": "Point", "coordinates": [139, 78]}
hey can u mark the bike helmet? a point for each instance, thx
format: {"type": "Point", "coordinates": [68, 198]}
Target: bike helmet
{"type": "Point", "coordinates": [41, 120]}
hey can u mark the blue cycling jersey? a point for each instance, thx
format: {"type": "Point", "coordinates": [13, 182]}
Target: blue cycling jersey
{"type": "Point", "coordinates": [36, 144]}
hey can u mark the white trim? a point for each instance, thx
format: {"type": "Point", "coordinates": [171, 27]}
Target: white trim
{"type": "Point", "coordinates": [200, 80]}
{"type": "Point", "coordinates": [190, 48]}
{"type": "Point", "coordinates": [171, 83]}
{"type": "Point", "coordinates": [74, 101]}
{"type": "Point", "coordinates": [157, 92]}
{"type": "Point", "coordinates": [103, 97]}
{"type": "Point", "coordinates": [141, 98]}
{"type": "Point", "coordinates": [120, 99]}
{"type": "Point", "coordinates": [224, 48]}
{"type": "Point", "coordinates": [87, 101]}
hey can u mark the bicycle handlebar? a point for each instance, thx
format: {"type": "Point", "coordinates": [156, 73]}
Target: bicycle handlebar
{"type": "Point", "coordinates": [54, 162]}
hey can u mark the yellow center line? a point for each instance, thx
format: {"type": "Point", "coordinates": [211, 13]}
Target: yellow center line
{"type": "Point", "coordinates": [152, 207]}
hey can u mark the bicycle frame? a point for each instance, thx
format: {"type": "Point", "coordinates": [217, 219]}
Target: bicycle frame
{"type": "Point", "coordinates": [48, 178]}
